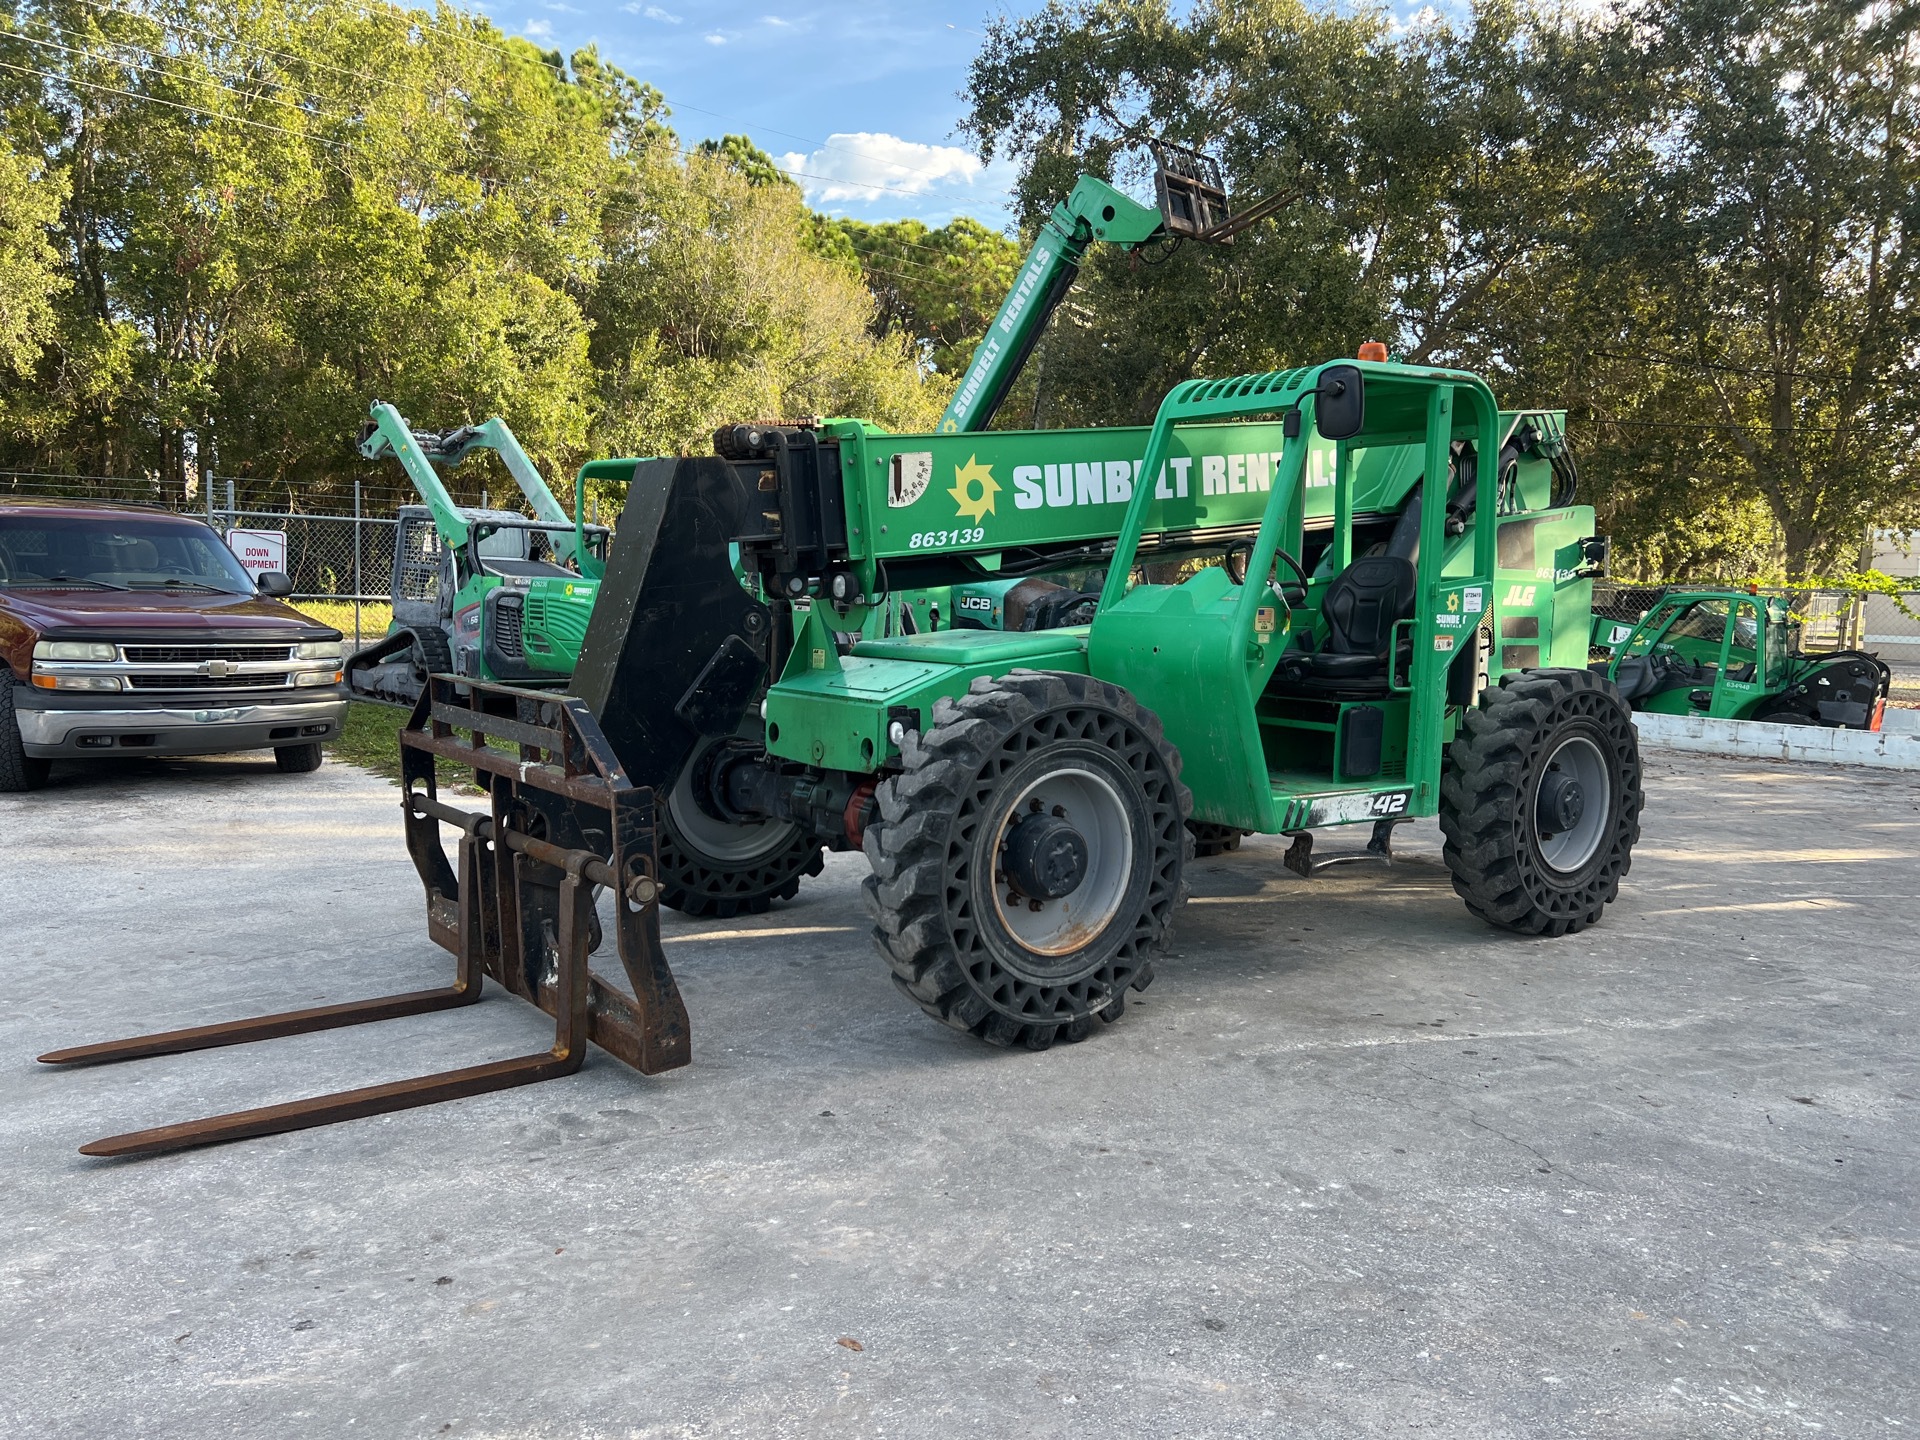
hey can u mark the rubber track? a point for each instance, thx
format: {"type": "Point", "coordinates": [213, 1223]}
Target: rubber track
{"type": "Point", "coordinates": [1494, 868]}
{"type": "Point", "coordinates": [910, 854]}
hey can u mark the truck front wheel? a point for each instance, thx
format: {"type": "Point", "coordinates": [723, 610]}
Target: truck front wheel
{"type": "Point", "coordinates": [18, 770]}
{"type": "Point", "coordinates": [1540, 801]}
{"type": "Point", "coordinates": [1028, 862]}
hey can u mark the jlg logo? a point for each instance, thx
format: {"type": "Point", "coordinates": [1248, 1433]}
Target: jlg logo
{"type": "Point", "coordinates": [1520, 595]}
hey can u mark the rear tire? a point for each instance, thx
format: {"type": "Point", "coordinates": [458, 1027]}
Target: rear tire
{"type": "Point", "coordinates": [1540, 801]}
{"type": "Point", "coordinates": [951, 910]}
{"type": "Point", "coordinates": [19, 771]}
{"type": "Point", "coordinates": [1210, 839]}
{"type": "Point", "coordinates": [297, 759]}
{"type": "Point", "coordinates": [714, 870]}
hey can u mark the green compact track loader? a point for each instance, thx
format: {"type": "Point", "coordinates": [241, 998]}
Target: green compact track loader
{"type": "Point", "coordinates": [479, 592]}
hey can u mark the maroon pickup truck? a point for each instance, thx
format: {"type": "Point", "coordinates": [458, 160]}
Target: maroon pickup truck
{"type": "Point", "coordinates": [129, 631]}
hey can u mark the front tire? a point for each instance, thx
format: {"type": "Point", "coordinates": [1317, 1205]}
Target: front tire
{"type": "Point", "coordinates": [1210, 840]}
{"type": "Point", "coordinates": [18, 770]}
{"type": "Point", "coordinates": [297, 759]}
{"type": "Point", "coordinates": [1540, 801]}
{"type": "Point", "coordinates": [1028, 862]}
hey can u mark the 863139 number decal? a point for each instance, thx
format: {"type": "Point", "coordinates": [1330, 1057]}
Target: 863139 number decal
{"type": "Point", "coordinates": [938, 539]}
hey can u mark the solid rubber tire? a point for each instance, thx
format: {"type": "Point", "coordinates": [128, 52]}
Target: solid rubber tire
{"type": "Point", "coordinates": [925, 850]}
{"type": "Point", "coordinates": [1210, 839]}
{"type": "Point", "coordinates": [699, 885]}
{"type": "Point", "coordinates": [1486, 801]}
{"type": "Point", "coordinates": [19, 771]}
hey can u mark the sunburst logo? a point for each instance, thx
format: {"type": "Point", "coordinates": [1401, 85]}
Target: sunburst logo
{"type": "Point", "coordinates": [974, 488]}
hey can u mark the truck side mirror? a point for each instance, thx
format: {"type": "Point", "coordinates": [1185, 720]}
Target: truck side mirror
{"type": "Point", "coordinates": [274, 584]}
{"type": "Point", "coordinates": [1340, 403]}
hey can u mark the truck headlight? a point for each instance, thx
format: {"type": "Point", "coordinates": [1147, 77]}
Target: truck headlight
{"type": "Point", "coordinates": [317, 650]}
{"type": "Point", "coordinates": [75, 650]}
{"type": "Point", "coordinates": [306, 679]}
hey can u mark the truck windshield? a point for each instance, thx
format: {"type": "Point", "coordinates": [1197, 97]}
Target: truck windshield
{"type": "Point", "coordinates": [116, 552]}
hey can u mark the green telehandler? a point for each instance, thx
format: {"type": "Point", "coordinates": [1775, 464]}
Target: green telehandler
{"type": "Point", "coordinates": [1729, 655]}
{"type": "Point", "coordinates": [1351, 593]}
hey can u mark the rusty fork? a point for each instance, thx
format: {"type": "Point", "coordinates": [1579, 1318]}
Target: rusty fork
{"type": "Point", "coordinates": [563, 820]}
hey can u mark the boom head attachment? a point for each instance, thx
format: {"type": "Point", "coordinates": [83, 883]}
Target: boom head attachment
{"type": "Point", "coordinates": [1192, 191]}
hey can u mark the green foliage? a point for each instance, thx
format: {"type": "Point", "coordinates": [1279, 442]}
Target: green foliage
{"type": "Point", "coordinates": [739, 152]}
{"type": "Point", "coordinates": [29, 280]}
{"type": "Point", "coordinates": [939, 289]}
{"type": "Point", "coordinates": [1686, 222]}
{"type": "Point", "coordinates": [273, 215]}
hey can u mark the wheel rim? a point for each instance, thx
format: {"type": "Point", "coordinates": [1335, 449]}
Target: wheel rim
{"type": "Point", "coordinates": [1568, 834]}
{"type": "Point", "coordinates": [1090, 803]}
{"type": "Point", "coordinates": [734, 845]}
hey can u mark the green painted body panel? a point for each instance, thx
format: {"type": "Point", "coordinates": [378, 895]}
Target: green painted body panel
{"type": "Point", "coordinates": [976, 494]}
{"type": "Point", "coordinates": [833, 710]}
{"type": "Point", "coordinates": [554, 623]}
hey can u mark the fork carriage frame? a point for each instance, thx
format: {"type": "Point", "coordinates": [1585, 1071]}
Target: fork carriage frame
{"type": "Point", "coordinates": [563, 819]}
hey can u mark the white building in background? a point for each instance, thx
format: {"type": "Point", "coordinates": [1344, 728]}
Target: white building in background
{"type": "Point", "coordinates": [1895, 636]}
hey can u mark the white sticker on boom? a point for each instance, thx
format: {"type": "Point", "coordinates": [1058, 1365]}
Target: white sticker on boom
{"type": "Point", "coordinates": [907, 477]}
{"type": "Point", "coordinates": [1476, 599]}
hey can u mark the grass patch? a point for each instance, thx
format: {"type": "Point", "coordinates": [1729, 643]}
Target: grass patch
{"type": "Point", "coordinates": [374, 617]}
{"type": "Point", "coordinates": [371, 740]}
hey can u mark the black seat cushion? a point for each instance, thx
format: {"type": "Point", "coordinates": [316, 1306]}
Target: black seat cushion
{"type": "Point", "coordinates": [1361, 608]}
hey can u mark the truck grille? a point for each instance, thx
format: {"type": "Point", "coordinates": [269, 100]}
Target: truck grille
{"type": "Point", "coordinates": [209, 682]}
{"type": "Point", "coordinates": [194, 654]}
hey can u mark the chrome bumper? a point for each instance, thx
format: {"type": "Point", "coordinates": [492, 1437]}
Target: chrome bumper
{"type": "Point", "coordinates": [179, 730]}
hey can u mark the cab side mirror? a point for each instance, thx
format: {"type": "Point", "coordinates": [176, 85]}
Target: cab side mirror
{"type": "Point", "coordinates": [274, 584]}
{"type": "Point", "coordinates": [1340, 402]}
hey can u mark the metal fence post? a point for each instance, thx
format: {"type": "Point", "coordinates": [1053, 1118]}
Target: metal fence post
{"type": "Point", "coordinates": [357, 588]}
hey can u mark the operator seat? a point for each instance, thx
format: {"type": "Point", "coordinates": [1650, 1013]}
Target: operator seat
{"type": "Point", "coordinates": [1360, 610]}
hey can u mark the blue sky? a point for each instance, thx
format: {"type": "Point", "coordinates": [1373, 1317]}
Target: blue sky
{"type": "Point", "coordinates": [859, 99]}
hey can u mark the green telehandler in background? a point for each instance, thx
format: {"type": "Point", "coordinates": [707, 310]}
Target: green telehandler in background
{"type": "Point", "coordinates": [1729, 655]}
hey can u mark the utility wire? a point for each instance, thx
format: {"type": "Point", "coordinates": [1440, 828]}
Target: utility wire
{"type": "Point", "coordinates": [172, 104]}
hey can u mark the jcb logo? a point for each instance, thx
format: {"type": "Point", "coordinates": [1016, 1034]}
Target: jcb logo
{"type": "Point", "coordinates": [1519, 595]}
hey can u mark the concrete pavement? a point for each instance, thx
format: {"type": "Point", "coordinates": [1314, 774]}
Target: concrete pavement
{"type": "Point", "coordinates": [1354, 1166]}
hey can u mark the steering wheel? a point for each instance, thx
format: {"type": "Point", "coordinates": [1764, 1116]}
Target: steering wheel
{"type": "Point", "coordinates": [1240, 555]}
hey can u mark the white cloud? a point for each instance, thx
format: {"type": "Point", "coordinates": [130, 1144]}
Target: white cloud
{"type": "Point", "coordinates": [650, 12]}
{"type": "Point", "coordinates": [868, 166]}
{"type": "Point", "coordinates": [714, 38]}
{"type": "Point", "coordinates": [537, 29]}
{"type": "Point", "coordinates": [778, 22]}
